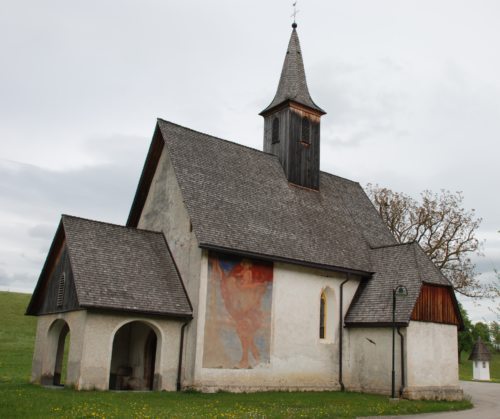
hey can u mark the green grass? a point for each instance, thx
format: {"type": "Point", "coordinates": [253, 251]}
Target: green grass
{"type": "Point", "coordinates": [20, 399]}
{"type": "Point", "coordinates": [465, 368]}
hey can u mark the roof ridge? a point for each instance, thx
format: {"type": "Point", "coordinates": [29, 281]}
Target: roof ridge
{"type": "Point", "coordinates": [247, 147]}
{"type": "Point", "coordinates": [340, 177]}
{"type": "Point", "coordinates": [111, 224]}
{"type": "Point", "coordinates": [213, 136]}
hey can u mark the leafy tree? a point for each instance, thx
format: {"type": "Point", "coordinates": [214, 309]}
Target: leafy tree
{"type": "Point", "coordinates": [495, 332]}
{"type": "Point", "coordinates": [481, 330]}
{"type": "Point", "coordinates": [465, 339]}
{"type": "Point", "coordinates": [443, 228]}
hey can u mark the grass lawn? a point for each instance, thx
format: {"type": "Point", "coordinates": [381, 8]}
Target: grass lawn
{"type": "Point", "coordinates": [466, 368]}
{"type": "Point", "coordinates": [20, 399]}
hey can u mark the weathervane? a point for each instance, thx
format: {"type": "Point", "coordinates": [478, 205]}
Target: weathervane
{"type": "Point", "coordinates": [294, 14]}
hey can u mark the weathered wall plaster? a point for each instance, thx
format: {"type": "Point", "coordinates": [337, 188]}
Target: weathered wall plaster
{"type": "Point", "coordinates": [299, 359]}
{"type": "Point", "coordinates": [164, 210]}
{"type": "Point", "coordinates": [368, 360]}
{"type": "Point", "coordinates": [91, 344]}
{"type": "Point", "coordinates": [432, 359]}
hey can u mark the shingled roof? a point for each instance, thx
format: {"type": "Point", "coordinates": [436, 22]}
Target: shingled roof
{"type": "Point", "coordinates": [120, 268]}
{"type": "Point", "coordinates": [402, 264]}
{"type": "Point", "coordinates": [480, 352]}
{"type": "Point", "coordinates": [292, 84]}
{"type": "Point", "coordinates": [238, 199]}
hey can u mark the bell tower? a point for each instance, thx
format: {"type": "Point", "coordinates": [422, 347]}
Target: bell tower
{"type": "Point", "coordinates": [292, 121]}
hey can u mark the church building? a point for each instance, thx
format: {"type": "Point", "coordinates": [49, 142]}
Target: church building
{"type": "Point", "coordinates": [245, 270]}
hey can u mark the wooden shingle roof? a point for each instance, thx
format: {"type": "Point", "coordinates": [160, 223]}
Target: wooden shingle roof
{"type": "Point", "coordinates": [480, 352]}
{"type": "Point", "coordinates": [239, 201]}
{"type": "Point", "coordinates": [120, 268]}
{"type": "Point", "coordinates": [402, 264]}
{"type": "Point", "coordinates": [292, 85]}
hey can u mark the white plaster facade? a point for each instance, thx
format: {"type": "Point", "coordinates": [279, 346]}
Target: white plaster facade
{"type": "Point", "coordinates": [91, 344]}
{"type": "Point", "coordinates": [299, 359]}
{"type": "Point", "coordinates": [481, 370]}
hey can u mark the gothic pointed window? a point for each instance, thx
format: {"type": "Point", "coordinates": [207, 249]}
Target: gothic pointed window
{"type": "Point", "coordinates": [306, 131]}
{"type": "Point", "coordinates": [276, 131]}
{"type": "Point", "coordinates": [322, 316]}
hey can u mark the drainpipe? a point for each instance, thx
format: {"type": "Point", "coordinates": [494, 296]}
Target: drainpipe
{"type": "Point", "coordinates": [181, 350]}
{"type": "Point", "coordinates": [402, 362]}
{"type": "Point", "coordinates": [341, 325]}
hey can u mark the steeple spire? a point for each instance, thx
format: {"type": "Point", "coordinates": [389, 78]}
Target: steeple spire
{"type": "Point", "coordinates": [292, 121]}
{"type": "Point", "coordinates": [292, 85]}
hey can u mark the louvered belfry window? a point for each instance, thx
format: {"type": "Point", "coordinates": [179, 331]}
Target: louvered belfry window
{"type": "Point", "coordinates": [60, 290]}
{"type": "Point", "coordinates": [306, 130]}
{"type": "Point", "coordinates": [276, 131]}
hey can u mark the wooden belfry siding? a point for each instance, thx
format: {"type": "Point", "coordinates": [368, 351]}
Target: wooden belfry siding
{"type": "Point", "coordinates": [435, 304]}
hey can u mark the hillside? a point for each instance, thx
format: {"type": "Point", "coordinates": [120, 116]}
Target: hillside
{"type": "Point", "coordinates": [17, 336]}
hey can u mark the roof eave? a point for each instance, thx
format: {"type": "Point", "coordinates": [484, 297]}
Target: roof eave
{"type": "Point", "coordinates": [274, 258]}
{"type": "Point", "coordinates": [376, 324]}
{"type": "Point", "coordinates": [186, 316]}
{"type": "Point", "coordinates": [287, 102]}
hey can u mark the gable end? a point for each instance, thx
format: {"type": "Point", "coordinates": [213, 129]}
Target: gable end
{"type": "Point", "coordinates": [436, 304]}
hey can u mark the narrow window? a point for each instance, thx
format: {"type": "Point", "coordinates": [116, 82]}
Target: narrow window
{"type": "Point", "coordinates": [306, 131]}
{"type": "Point", "coordinates": [484, 364]}
{"type": "Point", "coordinates": [60, 290]}
{"type": "Point", "coordinates": [322, 316]}
{"type": "Point", "coordinates": [475, 364]}
{"type": "Point", "coordinates": [276, 131]}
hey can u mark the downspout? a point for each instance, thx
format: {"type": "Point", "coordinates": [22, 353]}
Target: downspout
{"type": "Point", "coordinates": [341, 325]}
{"type": "Point", "coordinates": [181, 350]}
{"type": "Point", "coordinates": [402, 362]}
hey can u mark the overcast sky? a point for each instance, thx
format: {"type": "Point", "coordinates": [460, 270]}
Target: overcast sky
{"type": "Point", "coordinates": [412, 91]}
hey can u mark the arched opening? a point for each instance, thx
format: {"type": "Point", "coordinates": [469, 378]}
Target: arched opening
{"type": "Point", "coordinates": [133, 360]}
{"type": "Point", "coordinates": [276, 131]}
{"type": "Point", "coordinates": [327, 315]}
{"type": "Point", "coordinates": [322, 316]}
{"type": "Point", "coordinates": [59, 339]}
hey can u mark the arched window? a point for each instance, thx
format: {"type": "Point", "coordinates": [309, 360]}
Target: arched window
{"type": "Point", "coordinates": [276, 131]}
{"type": "Point", "coordinates": [322, 316]}
{"type": "Point", "coordinates": [306, 130]}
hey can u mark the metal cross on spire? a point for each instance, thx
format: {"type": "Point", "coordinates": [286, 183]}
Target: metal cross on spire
{"type": "Point", "coordinates": [294, 14]}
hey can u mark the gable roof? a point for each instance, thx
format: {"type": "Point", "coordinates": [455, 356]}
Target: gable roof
{"type": "Point", "coordinates": [292, 85]}
{"type": "Point", "coordinates": [402, 264]}
{"type": "Point", "coordinates": [119, 268]}
{"type": "Point", "coordinates": [239, 200]}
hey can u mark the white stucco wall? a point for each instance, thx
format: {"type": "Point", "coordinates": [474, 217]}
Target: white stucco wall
{"type": "Point", "coordinates": [481, 370]}
{"type": "Point", "coordinates": [164, 210]}
{"type": "Point", "coordinates": [46, 341]}
{"type": "Point", "coordinates": [432, 354]}
{"type": "Point", "coordinates": [91, 345]}
{"type": "Point", "coordinates": [430, 358]}
{"type": "Point", "coordinates": [368, 360]}
{"type": "Point", "coordinates": [298, 357]}
{"type": "Point", "coordinates": [100, 330]}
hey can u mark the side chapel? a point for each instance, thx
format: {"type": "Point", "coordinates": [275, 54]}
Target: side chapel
{"type": "Point", "coordinates": [244, 270]}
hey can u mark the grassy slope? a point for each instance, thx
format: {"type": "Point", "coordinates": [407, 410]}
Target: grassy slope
{"type": "Point", "coordinates": [466, 368]}
{"type": "Point", "coordinates": [20, 399]}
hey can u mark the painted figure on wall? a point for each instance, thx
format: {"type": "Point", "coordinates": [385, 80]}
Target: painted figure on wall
{"type": "Point", "coordinates": [238, 321]}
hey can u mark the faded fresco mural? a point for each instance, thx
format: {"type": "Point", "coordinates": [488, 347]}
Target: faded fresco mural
{"type": "Point", "coordinates": [238, 317]}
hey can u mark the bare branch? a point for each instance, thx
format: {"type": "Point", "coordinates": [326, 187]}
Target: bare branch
{"type": "Point", "coordinates": [443, 228]}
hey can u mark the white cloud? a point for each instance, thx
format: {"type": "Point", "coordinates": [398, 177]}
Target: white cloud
{"type": "Point", "coordinates": [413, 99]}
